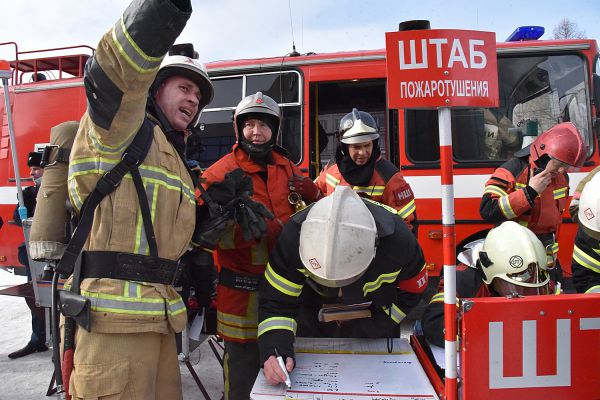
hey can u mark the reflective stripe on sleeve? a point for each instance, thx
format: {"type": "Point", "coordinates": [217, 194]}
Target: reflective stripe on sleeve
{"type": "Point", "coordinates": [372, 286]}
{"type": "Point", "coordinates": [132, 53]}
{"type": "Point", "coordinates": [585, 260]}
{"type": "Point", "coordinates": [331, 180]}
{"type": "Point", "coordinates": [593, 289]}
{"type": "Point", "coordinates": [493, 189]}
{"type": "Point", "coordinates": [281, 284]}
{"type": "Point", "coordinates": [560, 193]}
{"type": "Point", "coordinates": [394, 312]}
{"type": "Point", "coordinates": [282, 323]}
{"type": "Point", "coordinates": [506, 208]}
{"type": "Point", "coordinates": [408, 209]}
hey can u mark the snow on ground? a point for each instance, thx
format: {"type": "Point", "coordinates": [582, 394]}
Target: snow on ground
{"type": "Point", "coordinates": [27, 378]}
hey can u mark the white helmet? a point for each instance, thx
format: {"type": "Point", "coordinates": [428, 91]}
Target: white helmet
{"type": "Point", "coordinates": [358, 127]}
{"type": "Point", "coordinates": [589, 207]}
{"type": "Point", "coordinates": [338, 239]}
{"type": "Point", "coordinates": [513, 260]}
{"type": "Point", "coordinates": [179, 65]}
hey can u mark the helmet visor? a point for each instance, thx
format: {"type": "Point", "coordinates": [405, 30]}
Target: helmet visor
{"type": "Point", "coordinates": [566, 167]}
{"type": "Point", "coordinates": [504, 288]}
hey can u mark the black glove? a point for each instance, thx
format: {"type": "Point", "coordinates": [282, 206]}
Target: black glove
{"type": "Point", "coordinates": [211, 226]}
{"type": "Point", "coordinates": [251, 215]}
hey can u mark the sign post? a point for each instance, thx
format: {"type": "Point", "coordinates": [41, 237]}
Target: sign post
{"type": "Point", "coordinates": [441, 69]}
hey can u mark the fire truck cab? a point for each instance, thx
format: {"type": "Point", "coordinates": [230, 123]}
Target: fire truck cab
{"type": "Point", "coordinates": [541, 83]}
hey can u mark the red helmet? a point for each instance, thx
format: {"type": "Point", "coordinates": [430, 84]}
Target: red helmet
{"type": "Point", "coordinates": [562, 142]}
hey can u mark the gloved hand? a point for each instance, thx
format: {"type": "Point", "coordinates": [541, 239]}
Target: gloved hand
{"type": "Point", "coordinates": [250, 215]}
{"type": "Point", "coordinates": [305, 187]}
{"type": "Point", "coordinates": [211, 226]}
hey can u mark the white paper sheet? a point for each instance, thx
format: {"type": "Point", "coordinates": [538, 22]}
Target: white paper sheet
{"type": "Point", "coordinates": [361, 369]}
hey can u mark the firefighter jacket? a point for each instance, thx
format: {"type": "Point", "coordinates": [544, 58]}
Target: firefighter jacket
{"type": "Point", "coordinates": [469, 283]}
{"type": "Point", "coordinates": [586, 263]}
{"type": "Point", "coordinates": [290, 301]}
{"type": "Point", "coordinates": [117, 80]}
{"type": "Point", "coordinates": [387, 186]}
{"type": "Point", "coordinates": [237, 307]}
{"type": "Point", "coordinates": [507, 196]}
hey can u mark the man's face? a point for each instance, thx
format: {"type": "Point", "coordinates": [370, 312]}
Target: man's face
{"type": "Point", "coordinates": [360, 152]}
{"type": "Point", "coordinates": [36, 172]}
{"type": "Point", "coordinates": [555, 167]}
{"type": "Point", "coordinates": [178, 99]}
{"type": "Point", "coordinates": [257, 131]}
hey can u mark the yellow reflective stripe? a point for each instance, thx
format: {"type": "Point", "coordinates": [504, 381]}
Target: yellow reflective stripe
{"type": "Point", "coordinates": [520, 185]}
{"type": "Point", "coordinates": [408, 209]}
{"type": "Point", "coordinates": [493, 189]}
{"type": "Point", "coordinates": [303, 271]}
{"type": "Point", "coordinates": [259, 252]}
{"type": "Point", "coordinates": [150, 174]}
{"type": "Point", "coordinates": [132, 53]}
{"type": "Point", "coordinates": [506, 208]}
{"type": "Point", "coordinates": [370, 190]}
{"type": "Point", "coordinates": [395, 313]}
{"type": "Point", "coordinates": [560, 193]}
{"type": "Point", "coordinates": [282, 284]}
{"type": "Point", "coordinates": [132, 289]}
{"type": "Point", "coordinates": [593, 289]}
{"type": "Point", "coordinates": [74, 195]}
{"type": "Point", "coordinates": [282, 323]}
{"type": "Point", "coordinates": [437, 298]}
{"type": "Point", "coordinates": [128, 305]}
{"type": "Point", "coordinates": [237, 320]}
{"type": "Point", "coordinates": [331, 180]}
{"type": "Point", "coordinates": [106, 149]}
{"type": "Point", "coordinates": [523, 223]}
{"type": "Point", "coordinates": [381, 279]}
{"type": "Point", "coordinates": [235, 332]}
{"type": "Point", "coordinates": [555, 248]}
{"type": "Point", "coordinates": [384, 206]}
{"type": "Point", "coordinates": [585, 260]}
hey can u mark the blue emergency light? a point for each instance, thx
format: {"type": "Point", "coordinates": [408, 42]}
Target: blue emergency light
{"type": "Point", "coordinates": [526, 33]}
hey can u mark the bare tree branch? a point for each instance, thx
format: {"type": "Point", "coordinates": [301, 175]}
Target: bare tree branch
{"type": "Point", "coordinates": [567, 29]}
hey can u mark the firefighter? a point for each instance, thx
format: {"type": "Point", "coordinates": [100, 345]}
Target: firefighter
{"type": "Point", "coordinates": [511, 261]}
{"type": "Point", "coordinates": [243, 251]}
{"type": "Point", "coordinates": [343, 250]}
{"type": "Point", "coordinates": [37, 342]}
{"type": "Point", "coordinates": [131, 255]}
{"type": "Point", "coordinates": [532, 188]}
{"type": "Point", "coordinates": [358, 163]}
{"type": "Point", "coordinates": [586, 252]}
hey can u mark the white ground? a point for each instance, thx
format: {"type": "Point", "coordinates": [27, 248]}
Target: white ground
{"type": "Point", "coordinates": [27, 378]}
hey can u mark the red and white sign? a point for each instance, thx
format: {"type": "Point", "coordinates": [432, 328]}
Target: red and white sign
{"type": "Point", "coordinates": [441, 68]}
{"type": "Point", "coordinates": [538, 347]}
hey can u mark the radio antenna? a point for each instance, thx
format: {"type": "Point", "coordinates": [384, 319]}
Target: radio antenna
{"type": "Point", "coordinates": [294, 53]}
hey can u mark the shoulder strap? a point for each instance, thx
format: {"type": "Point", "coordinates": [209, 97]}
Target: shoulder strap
{"type": "Point", "coordinates": [131, 159]}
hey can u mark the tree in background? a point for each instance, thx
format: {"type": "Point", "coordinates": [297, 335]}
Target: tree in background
{"type": "Point", "coordinates": [567, 29]}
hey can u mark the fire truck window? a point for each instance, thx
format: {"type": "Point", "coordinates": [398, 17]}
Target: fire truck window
{"type": "Point", "coordinates": [212, 139]}
{"type": "Point", "coordinates": [290, 136]}
{"type": "Point", "coordinates": [228, 92]}
{"type": "Point", "coordinates": [277, 86]}
{"type": "Point", "coordinates": [536, 92]}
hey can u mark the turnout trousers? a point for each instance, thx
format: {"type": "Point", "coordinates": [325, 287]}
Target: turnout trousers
{"type": "Point", "coordinates": [125, 366]}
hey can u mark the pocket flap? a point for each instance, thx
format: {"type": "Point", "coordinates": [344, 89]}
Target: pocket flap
{"type": "Point", "coordinates": [97, 380]}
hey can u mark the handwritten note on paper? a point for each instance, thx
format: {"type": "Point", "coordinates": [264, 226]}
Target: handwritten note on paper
{"type": "Point", "coordinates": [358, 376]}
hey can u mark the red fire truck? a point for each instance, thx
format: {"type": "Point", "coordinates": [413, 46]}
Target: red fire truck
{"type": "Point", "coordinates": [541, 83]}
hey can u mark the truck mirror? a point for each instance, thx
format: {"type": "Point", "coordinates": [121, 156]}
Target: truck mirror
{"type": "Point", "coordinates": [596, 89]}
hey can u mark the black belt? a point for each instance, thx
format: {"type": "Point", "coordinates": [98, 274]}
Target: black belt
{"type": "Point", "coordinates": [129, 267]}
{"type": "Point", "coordinates": [236, 280]}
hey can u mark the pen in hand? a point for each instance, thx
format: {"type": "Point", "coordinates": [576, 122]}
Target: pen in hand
{"type": "Point", "coordinates": [288, 381]}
